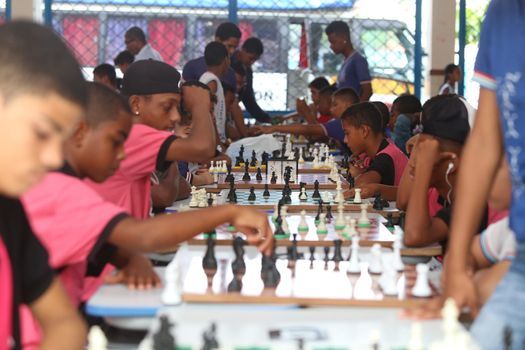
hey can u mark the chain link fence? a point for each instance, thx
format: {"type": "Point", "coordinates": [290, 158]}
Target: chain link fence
{"type": "Point", "coordinates": [292, 31]}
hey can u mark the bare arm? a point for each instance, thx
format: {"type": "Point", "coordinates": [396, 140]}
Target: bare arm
{"type": "Point", "coordinates": [294, 129]}
{"type": "Point", "coordinates": [366, 92]}
{"type": "Point", "coordinates": [369, 177]}
{"type": "Point", "coordinates": [166, 192]}
{"type": "Point", "coordinates": [238, 118]}
{"type": "Point", "coordinates": [58, 318]}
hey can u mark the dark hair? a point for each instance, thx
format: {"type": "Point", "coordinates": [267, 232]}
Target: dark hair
{"type": "Point", "coordinates": [339, 28]}
{"type": "Point", "coordinates": [327, 91]}
{"type": "Point", "coordinates": [319, 83]}
{"type": "Point", "coordinates": [238, 68]}
{"type": "Point", "coordinates": [104, 104]}
{"type": "Point", "coordinates": [449, 69]}
{"type": "Point", "coordinates": [364, 113]}
{"type": "Point", "coordinates": [33, 59]}
{"type": "Point", "coordinates": [254, 46]}
{"type": "Point", "coordinates": [227, 87]}
{"type": "Point", "coordinates": [136, 33]}
{"type": "Point", "coordinates": [124, 57]}
{"type": "Point", "coordinates": [408, 104]}
{"type": "Point", "coordinates": [347, 94]}
{"type": "Point", "coordinates": [215, 53]}
{"type": "Point", "coordinates": [385, 113]}
{"type": "Point", "coordinates": [227, 30]}
{"type": "Point", "coordinates": [106, 70]}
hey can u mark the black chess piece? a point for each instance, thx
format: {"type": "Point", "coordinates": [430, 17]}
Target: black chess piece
{"type": "Point", "coordinates": [338, 256]}
{"type": "Point", "coordinates": [266, 193]}
{"type": "Point", "coordinates": [235, 286]}
{"type": "Point", "coordinates": [329, 215]}
{"type": "Point", "coordinates": [312, 254]}
{"type": "Point", "coordinates": [293, 253]}
{"type": "Point", "coordinates": [210, 200]}
{"type": "Point", "coordinates": [163, 339]}
{"type": "Point", "coordinates": [241, 152]}
{"type": "Point", "coordinates": [209, 338]}
{"type": "Point", "coordinates": [252, 197]}
{"type": "Point", "coordinates": [272, 276]}
{"type": "Point", "coordinates": [278, 226]}
{"type": "Point", "coordinates": [351, 181]}
{"type": "Point", "coordinates": [326, 253]}
{"type": "Point", "coordinates": [378, 202]}
{"type": "Point", "coordinates": [238, 265]}
{"type": "Point", "coordinates": [402, 220]}
{"type": "Point", "coordinates": [253, 161]}
{"type": "Point", "coordinates": [507, 338]}
{"type": "Point", "coordinates": [389, 221]}
{"type": "Point", "coordinates": [273, 180]}
{"type": "Point", "coordinates": [246, 176]}
{"type": "Point", "coordinates": [319, 211]}
{"type": "Point", "coordinates": [209, 262]}
{"type": "Point", "coordinates": [258, 176]}
{"type": "Point", "coordinates": [316, 194]}
{"type": "Point", "coordinates": [264, 158]}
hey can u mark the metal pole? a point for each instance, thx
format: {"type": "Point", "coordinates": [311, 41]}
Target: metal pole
{"type": "Point", "coordinates": [8, 10]}
{"type": "Point", "coordinates": [232, 11]}
{"type": "Point", "coordinates": [48, 14]}
{"type": "Point", "coordinates": [462, 42]}
{"type": "Point", "coordinates": [418, 52]}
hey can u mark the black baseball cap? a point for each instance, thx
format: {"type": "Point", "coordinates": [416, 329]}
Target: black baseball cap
{"type": "Point", "coordinates": [446, 117]}
{"type": "Point", "coordinates": [148, 77]}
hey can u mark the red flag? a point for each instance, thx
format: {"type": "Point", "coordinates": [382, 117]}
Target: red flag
{"type": "Point", "coordinates": [303, 49]}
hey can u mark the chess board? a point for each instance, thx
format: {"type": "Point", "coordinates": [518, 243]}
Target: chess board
{"type": "Point", "coordinates": [309, 205]}
{"type": "Point", "coordinates": [324, 182]}
{"type": "Point", "coordinates": [317, 282]}
{"type": "Point", "coordinates": [304, 168]}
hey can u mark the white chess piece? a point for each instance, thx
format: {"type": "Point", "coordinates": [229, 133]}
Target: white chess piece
{"type": "Point", "coordinates": [215, 177]}
{"type": "Point", "coordinates": [171, 295]}
{"type": "Point", "coordinates": [193, 201]}
{"type": "Point", "coordinates": [363, 219]}
{"type": "Point", "coordinates": [275, 212]}
{"type": "Point", "coordinates": [321, 227]}
{"type": "Point", "coordinates": [450, 314]}
{"type": "Point", "coordinates": [357, 196]}
{"type": "Point", "coordinates": [291, 156]}
{"type": "Point", "coordinates": [353, 265]}
{"type": "Point", "coordinates": [214, 197]}
{"type": "Point", "coordinates": [212, 168]}
{"type": "Point", "coordinates": [421, 288]}
{"type": "Point", "coordinates": [388, 281]}
{"type": "Point", "coordinates": [303, 196]}
{"type": "Point", "coordinates": [224, 168]}
{"type": "Point", "coordinates": [376, 262]}
{"type": "Point", "coordinates": [398, 262]}
{"type": "Point", "coordinates": [303, 225]}
{"type": "Point", "coordinates": [301, 159]}
{"type": "Point", "coordinates": [202, 200]}
{"type": "Point", "coordinates": [284, 215]}
{"type": "Point", "coordinates": [340, 219]}
{"type": "Point", "coordinates": [326, 197]}
{"type": "Point", "coordinates": [97, 339]}
{"type": "Point", "coordinates": [315, 163]}
{"type": "Point", "coordinates": [416, 337]}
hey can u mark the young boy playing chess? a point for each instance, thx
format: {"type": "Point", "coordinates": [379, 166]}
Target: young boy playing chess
{"type": "Point", "coordinates": [363, 126]}
{"type": "Point", "coordinates": [39, 107]}
{"type": "Point", "coordinates": [83, 232]}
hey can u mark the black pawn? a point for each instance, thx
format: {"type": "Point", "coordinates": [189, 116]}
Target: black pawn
{"type": "Point", "coordinates": [338, 256]}
{"type": "Point", "coordinates": [378, 202]}
{"type": "Point", "coordinates": [235, 285]}
{"type": "Point", "coordinates": [326, 256]}
{"type": "Point", "coordinates": [319, 211]}
{"type": "Point", "coordinates": [312, 253]}
{"type": "Point", "coordinates": [246, 176]}
{"type": "Point", "coordinates": [163, 339]}
{"type": "Point", "coordinates": [209, 262]}
{"type": "Point", "coordinates": [210, 201]}
{"type": "Point", "coordinates": [238, 265]}
{"type": "Point", "coordinates": [316, 194]}
{"type": "Point", "coordinates": [258, 176]}
{"type": "Point", "coordinates": [264, 158]}
{"type": "Point", "coordinates": [293, 254]}
{"type": "Point", "coordinates": [273, 180]}
{"type": "Point", "coordinates": [266, 193]}
{"type": "Point", "coordinates": [329, 215]}
{"type": "Point", "coordinates": [389, 221]}
{"type": "Point", "coordinates": [252, 197]}
{"type": "Point", "coordinates": [253, 161]}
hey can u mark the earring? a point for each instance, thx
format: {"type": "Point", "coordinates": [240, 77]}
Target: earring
{"type": "Point", "coordinates": [136, 112]}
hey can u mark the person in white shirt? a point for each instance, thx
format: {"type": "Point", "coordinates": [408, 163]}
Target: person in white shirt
{"type": "Point", "coordinates": [136, 43]}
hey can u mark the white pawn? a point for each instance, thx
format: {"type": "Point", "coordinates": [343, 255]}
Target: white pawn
{"type": "Point", "coordinates": [284, 215]}
{"type": "Point", "coordinates": [275, 212]}
{"type": "Point", "coordinates": [340, 220]}
{"type": "Point", "coordinates": [363, 219]}
{"type": "Point", "coordinates": [321, 227]}
{"type": "Point", "coordinates": [376, 262]}
{"type": "Point", "coordinates": [398, 262]}
{"type": "Point", "coordinates": [349, 230]}
{"type": "Point", "coordinates": [291, 156]}
{"type": "Point", "coordinates": [357, 196]}
{"type": "Point", "coordinates": [171, 295]}
{"type": "Point", "coordinates": [202, 199]}
{"type": "Point", "coordinates": [416, 337]}
{"type": "Point", "coordinates": [215, 177]}
{"type": "Point", "coordinates": [387, 281]}
{"type": "Point", "coordinates": [353, 265]}
{"type": "Point", "coordinates": [224, 168]}
{"type": "Point", "coordinates": [421, 288]}
{"type": "Point", "coordinates": [97, 339]}
{"type": "Point", "coordinates": [303, 196]}
{"type": "Point", "coordinates": [326, 197]}
{"type": "Point", "coordinates": [301, 159]}
{"type": "Point", "coordinates": [450, 314]}
{"type": "Point", "coordinates": [303, 225]}
{"type": "Point", "coordinates": [193, 201]}
{"type": "Point", "coordinates": [212, 168]}
{"type": "Point", "coordinates": [315, 164]}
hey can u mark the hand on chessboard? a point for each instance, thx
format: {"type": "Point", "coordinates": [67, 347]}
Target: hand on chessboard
{"type": "Point", "coordinates": [138, 273]}
{"type": "Point", "coordinates": [255, 226]}
{"type": "Point", "coordinates": [367, 191]}
{"type": "Point", "coordinates": [356, 170]}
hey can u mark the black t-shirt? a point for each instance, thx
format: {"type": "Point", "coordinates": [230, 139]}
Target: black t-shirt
{"type": "Point", "coordinates": [384, 165]}
{"type": "Point", "coordinates": [32, 275]}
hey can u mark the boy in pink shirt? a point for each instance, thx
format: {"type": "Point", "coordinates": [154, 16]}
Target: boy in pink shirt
{"type": "Point", "coordinates": [42, 96]}
{"type": "Point", "coordinates": [82, 230]}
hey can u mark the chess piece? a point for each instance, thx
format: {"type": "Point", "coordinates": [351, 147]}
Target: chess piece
{"type": "Point", "coordinates": [264, 158]}
{"type": "Point", "coordinates": [387, 281]}
{"type": "Point", "coordinates": [303, 225]}
{"type": "Point", "coordinates": [246, 176]}
{"type": "Point", "coordinates": [193, 200]}
{"type": "Point", "coordinates": [209, 262]}
{"type": "Point", "coordinates": [238, 265]}
{"type": "Point", "coordinates": [340, 220]}
{"type": "Point", "coordinates": [349, 230]}
{"type": "Point", "coordinates": [253, 161]}
{"type": "Point", "coordinates": [284, 224]}
{"type": "Point", "coordinates": [203, 201]}
{"type": "Point", "coordinates": [293, 254]}
{"type": "Point", "coordinates": [326, 197]}
{"type": "Point", "coordinates": [316, 194]}
{"type": "Point", "coordinates": [376, 262]}
{"type": "Point", "coordinates": [421, 288]}
{"type": "Point", "coordinates": [321, 228]}
{"type": "Point", "coordinates": [319, 211]}
{"type": "Point", "coordinates": [209, 338]}
{"type": "Point", "coordinates": [312, 253]}
{"type": "Point", "coordinates": [266, 193]}
{"type": "Point", "coordinates": [338, 256]}
{"type": "Point", "coordinates": [329, 215]}
{"type": "Point", "coordinates": [172, 293]}
{"type": "Point", "coordinates": [251, 196]}
{"type": "Point", "coordinates": [275, 212]}
{"type": "Point", "coordinates": [258, 176]}
{"type": "Point", "coordinates": [97, 339]}
{"type": "Point", "coordinates": [210, 200]}
{"type": "Point", "coordinates": [235, 286]}
{"type": "Point", "coordinates": [326, 250]}
{"type": "Point", "coordinates": [378, 202]}
{"type": "Point", "coordinates": [363, 219]}
{"type": "Point", "coordinates": [389, 222]}
{"type": "Point", "coordinates": [357, 196]}
{"type": "Point", "coordinates": [269, 273]}
{"type": "Point", "coordinates": [353, 266]}
{"type": "Point", "coordinates": [397, 264]}
{"type": "Point", "coordinates": [303, 196]}
{"type": "Point", "coordinates": [163, 339]}
{"type": "Point", "coordinates": [301, 159]}
{"type": "Point", "coordinates": [416, 337]}
{"type": "Point", "coordinates": [273, 180]}
{"type": "Point", "coordinates": [315, 163]}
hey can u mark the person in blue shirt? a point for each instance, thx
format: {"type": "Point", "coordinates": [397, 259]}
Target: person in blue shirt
{"type": "Point", "coordinates": [354, 71]}
{"type": "Point", "coordinates": [499, 130]}
{"type": "Point", "coordinates": [404, 117]}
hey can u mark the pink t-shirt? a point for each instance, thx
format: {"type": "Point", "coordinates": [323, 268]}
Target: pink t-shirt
{"type": "Point", "coordinates": [6, 298]}
{"type": "Point", "coordinates": [71, 221]}
{"type": "Point", "coordinates": [130, 187]}
{"type": "Point", "coordinates": [399, 159]}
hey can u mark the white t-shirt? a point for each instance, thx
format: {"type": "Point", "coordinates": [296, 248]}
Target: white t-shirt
{"type": "Point", "coordinates": [498, 242]}
{"type": "Point", "coordinates": [219, 110]}
{"type": "Point", "coordinates": [451, 89]}
{"type": "Point", "coordinates": [147, 52]}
